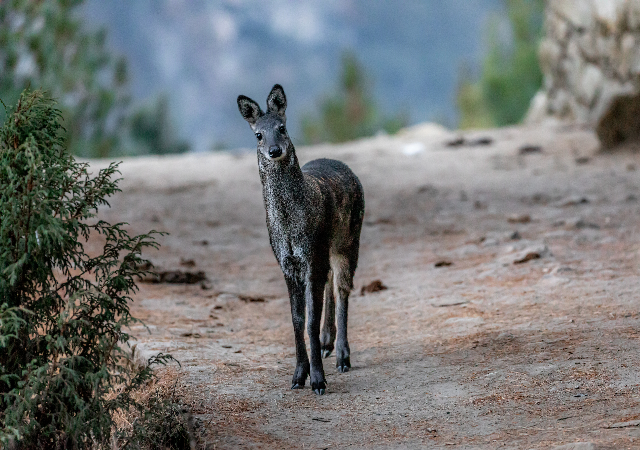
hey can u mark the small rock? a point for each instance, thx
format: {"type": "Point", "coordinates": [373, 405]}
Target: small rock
{"type": "Point", "coordinates": [457, 142]}
{"type": "Point", "coordinates": [530, 253]}
{"type": "Point", "coordinates": [187, 262]}
{"type": "Point", "coordinates": [374, 286]}
{"type": "Point", "coordinates": [527, 257]}
{"type": "Point", "coordinates": [574, 201]}
{"type": "Point", "coordinates": [515, 236]}
{"type": "Point", "coordinates": [181, 277]}
{"type": "Point", "coordinates": [443, 263]}
{"type": "Point", "coordinates": [631, 167]}
{"type": "Point", "coordinates": [428, 189]}
{"type": "Point", "coordinates": [529, 149]}
{"type": "Point", "coordinates": [251, 299]}
{"type": "Point", "coordinates": [519, 218]}
{"type": "Point", "coordinates": [174, 277]}
{"type": "Point", "coordinates": [582, 160]}
{"type": "Point", "coordinates": [195, 335]}
{"type": "Point", "coordinates": [460, 141]}
{"type": "Point", "coordinates": [480, 141]}
{"type": "Point", "coordinates": [225, 346]}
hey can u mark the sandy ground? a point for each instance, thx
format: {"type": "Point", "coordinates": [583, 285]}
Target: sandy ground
{"type": "Point", "coordinates": [482, 353]}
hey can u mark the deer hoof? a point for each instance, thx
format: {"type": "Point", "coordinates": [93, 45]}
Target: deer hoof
{"type": "Point", "coordinates": [326, 353]}
{"type": "Point", "coordinates": [297, 386]}
{"type": "Point", "coordinates": [319, 387]}
{"type": "Point", "coordinates": [343, 364]}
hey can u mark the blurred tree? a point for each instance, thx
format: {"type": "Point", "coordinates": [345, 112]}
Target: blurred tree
{"type": "Point", "coordinates": [474, 112]}
{"type": "Point", "coordinates": [43, 44]}
{"type": "Point", "coordinates": [152, 130]}
{"type": "Point", "coordinates": [510, 71]}
{"type": "Point", "coordinates": [350, 113]}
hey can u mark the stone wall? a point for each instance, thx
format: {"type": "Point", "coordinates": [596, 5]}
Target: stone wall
{"type": "Point", "coordinates": [590, 58]}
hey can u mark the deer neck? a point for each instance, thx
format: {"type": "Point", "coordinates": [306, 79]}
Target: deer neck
{"type": "Point", "coordinates": [283, 186]}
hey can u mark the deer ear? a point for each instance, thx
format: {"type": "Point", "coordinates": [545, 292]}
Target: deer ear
{"type": "Point", "coordinates": [249, 109]}
{"type": "Point", "coordinates": [277, 101]}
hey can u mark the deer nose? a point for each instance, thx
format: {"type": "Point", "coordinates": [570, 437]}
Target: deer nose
{"type": "Point", "coordinates": [275, 151]}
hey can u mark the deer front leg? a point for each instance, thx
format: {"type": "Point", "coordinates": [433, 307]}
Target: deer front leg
{"type": "Point", "coordinates": [297, 299]}
{"type": "Point", "coordinates": [315, 288]}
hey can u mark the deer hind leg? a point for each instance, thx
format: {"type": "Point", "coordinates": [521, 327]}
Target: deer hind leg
{"type": "Point", "coordinates": [328, 333]}
{"type": "Point", "coordinates": [342, 285]}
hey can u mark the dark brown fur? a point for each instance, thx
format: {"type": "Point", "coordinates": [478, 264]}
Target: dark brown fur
{"type": "Point", "coordinates": [314, 218]}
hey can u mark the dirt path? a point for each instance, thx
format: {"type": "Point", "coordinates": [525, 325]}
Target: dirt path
{"type": "Point", "coordinates": [482, 353]}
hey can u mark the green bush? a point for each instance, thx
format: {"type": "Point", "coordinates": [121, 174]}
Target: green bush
{"type": "Point", "coordinates": [64, 368]}
{"type": "Point", "coordinates": [45, 44]}
{"type": "Point", "coordinates": [152, 131]}
{"type": "Point", "coordinates": [511, 73]}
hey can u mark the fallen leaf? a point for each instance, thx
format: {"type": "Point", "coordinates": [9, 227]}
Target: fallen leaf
{"type": "Point", "coordinates": [374, 286]}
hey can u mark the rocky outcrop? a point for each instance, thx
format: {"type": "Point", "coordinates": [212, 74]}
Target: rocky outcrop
{"type": "Point", "coordinates": [590, 58]}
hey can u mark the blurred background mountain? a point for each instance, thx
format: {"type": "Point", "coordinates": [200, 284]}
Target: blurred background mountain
{"type": "Point", "coordinates": [162, 76]}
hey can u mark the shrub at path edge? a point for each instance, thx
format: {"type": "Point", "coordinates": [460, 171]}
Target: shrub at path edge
{"type": "Point", "coordinates": [64, 368]}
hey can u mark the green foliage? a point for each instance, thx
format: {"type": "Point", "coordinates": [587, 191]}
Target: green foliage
{"type": "Point", "coordinates": [351, 112]}
{"type": "Point", "coordinates": [43, 44]}
{"type": "Point", "coordinates": [474, 111]}
{"type": "Point", "coordinates": [511, 73]}
{"type": "Point", "coordinates": [64, 369]}
{"type": "Point", "coordinates": [152, 131]}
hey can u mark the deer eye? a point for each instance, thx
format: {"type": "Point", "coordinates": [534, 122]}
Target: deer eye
{"type": "Point", "coordinates": [282, 129]}
{"type": "Point", "coordinates": [259, 136]}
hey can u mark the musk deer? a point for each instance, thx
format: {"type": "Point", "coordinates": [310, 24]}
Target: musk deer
{"type": "Point", "coordinates": [314, 218]}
